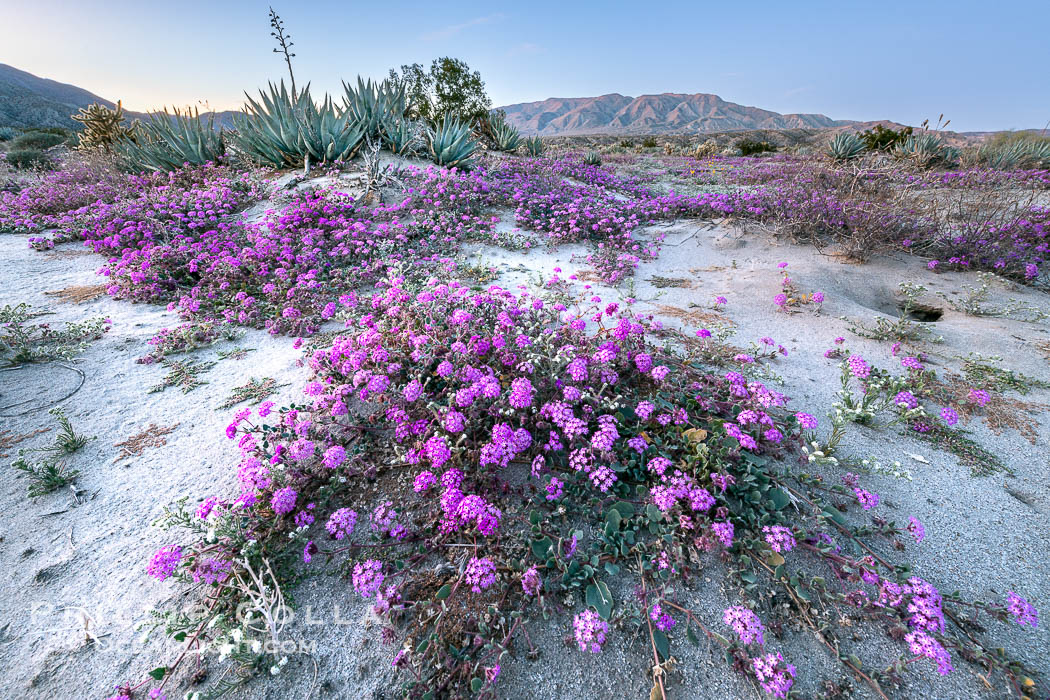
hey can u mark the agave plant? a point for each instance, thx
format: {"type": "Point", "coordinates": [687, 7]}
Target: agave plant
{"type": "Point", "coordinates": [592, 158]}
{"type": "Point", "coordinates": [371, 105]}
{"type": "Point", "coordinates": [846, 146]}
{"type": "Point", "coordinates": [166, 142]}
{"type": "Point", "coordinates": [505, 137]}
{"type": "Point", "coordinates": [1017, 154]}
{"type": "Point", "coordinates": [534, 146]}
{"type": "Point", "coordinates": [401, 135]}
{"type": "Point", "coordinates": [284, 131]}
{"type": "Point", "coordinates": [451, 143]}
{"type": "Point", "coordinates": [926, 150]}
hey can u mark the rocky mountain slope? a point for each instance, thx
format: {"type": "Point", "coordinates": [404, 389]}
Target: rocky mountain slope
{"type": "Point", "coordinates": [651, 114]}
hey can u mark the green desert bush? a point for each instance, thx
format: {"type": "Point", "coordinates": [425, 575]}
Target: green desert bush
{"type": "Point", "coordinates": [879, 138]}
{"type": "Point", "coordinates": [451, 143]}
{"type": "Point", "coordinates": [649, 142]}
{"type": "Point", "coordinates": [449, 88]}
{"type": "Point", "coordinates": [167, 142]}
{"type": "Point", "coordinates": [846, 146]}
{"type": "Point", "coordinates": [751, 147]}
{"type": "Point", "coordinates": [26, 158]}
{"type": "Point", "coordinates": [504, 136]}
{"type": "Point", "coordinates": [36, 140]}
{"type": "Point", "coordinates": [7, 133]}
{"type": "Point", "coordinates": [592, 158]}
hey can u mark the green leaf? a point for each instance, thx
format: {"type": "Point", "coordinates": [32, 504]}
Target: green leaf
{"type": "Point", "coordinates": [599, 598]}
{"type": "Point", "coordinates": [476, 684]}
{"type": "Point", "coordinates": [749, 577]}
{"type": "Point", "coordinates": [780, 498]}
{"type": "Point", "coordinates": [663, 644]}
{"type": "Point", "coordinates": [690, 634]}
{"type": "Point", "coordinates": [422, 647]}
{"type": "Point", "coordinates": [158, 673]}
{"type": "Point", "coordinates": [541, 547]}
{"type": "Point", "coordinates": [653, 513]}
{"type": "Point", "coordinates": [535, 517]}
{"type": "Point", "coordinates": [444, 592]}
{"type": "Point", "coordinates": [613, 518]}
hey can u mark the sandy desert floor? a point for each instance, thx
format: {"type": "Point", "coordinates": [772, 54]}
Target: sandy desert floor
{"type": "Point", "coordinates": [74, 594]}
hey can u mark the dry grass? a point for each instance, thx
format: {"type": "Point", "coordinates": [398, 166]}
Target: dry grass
{"type": "Point", "coordinates": [694, 316]}
{"type": "Point", "coordinates": [1001, 413]}
{"type": "Point", "coordinates": [135, 445]}
{"type": "Point", "coordinates": [78, 294]}
{"type": "Point", "coordinates": [9, 439]}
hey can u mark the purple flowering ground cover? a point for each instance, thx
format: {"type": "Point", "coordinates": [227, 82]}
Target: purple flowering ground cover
{"type": "Point", "coordinates": [502, 474]}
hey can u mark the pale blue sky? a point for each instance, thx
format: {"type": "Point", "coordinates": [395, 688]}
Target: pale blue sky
{"type": "Point", "coordinates": [984, 65]}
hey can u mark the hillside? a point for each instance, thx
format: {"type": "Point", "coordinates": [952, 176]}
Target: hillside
{"type": "Point", "coordinates": [651, 114]}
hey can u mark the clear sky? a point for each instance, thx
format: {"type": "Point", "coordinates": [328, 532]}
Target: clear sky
{"type": "Point", "coordinates": [985, 65]}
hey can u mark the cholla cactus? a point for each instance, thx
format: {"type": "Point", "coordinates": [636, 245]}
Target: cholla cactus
{"type": "Point", "coordinates": [103, 127]}
{"type": "Point", "coordinates": [707, 149]}
{"type": "Point", "coordinates": [846, 146]}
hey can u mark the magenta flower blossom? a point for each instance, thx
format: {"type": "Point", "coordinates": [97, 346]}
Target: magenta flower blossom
{"type": "Point", "coordinates": [1023, 611]}
{"type": "Point", "coordinates": [283, 500]}
{"type": "Point", "coordinates": [341, 523]}
{"type": "Point", "coordinates": [979, 397]}
{"type": "Point", "coordinates": [334, 456]}
{"type": "Point", "coordinates": [662, 619]}
{"type": "Point", "coordinates": [949, 415]}
{"type": "Point", "coordinates": [368, 577]}
{"type": "Point", "coordinates": [775, 676]}
{"type": "Point", "coordinates": [590, 631]}
{"type": "Point", "coordinates": [779, 538]}
{"type": "Point", "coordinates": [555, 488]}
{"type": "Point", "coordinates": [531, 582]}
{"type": "Point", "coordinates": [806, 420]}
{"type": "Point", "coordinates": [164, 562]}
{"type": "Point", "coordinates": [866, 499]}
{"type": "Point", "coordinates": [916, 529]}
{"type": "Point", "coordinates": [858, 367]}
{"type": "Point", "coordinates": [745, 623]}
{"type": "Point", "coordinates": [480, 574]}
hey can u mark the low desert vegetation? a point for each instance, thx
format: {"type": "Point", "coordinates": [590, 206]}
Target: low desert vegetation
{"type": "Point", "coordinates": [474, 460]}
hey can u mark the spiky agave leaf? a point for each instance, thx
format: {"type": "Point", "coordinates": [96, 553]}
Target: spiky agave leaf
{"type": "Point", "coordinates": [592, 158]}
{"type": "Point", "coordinates": [926, 149]}
{"type": "Point", "coordinates": [846, 146]}
{"type": "Point", "coordinates": [371, 105]}
{"type": "Point", "coordinates": [534, 146]}
{"type": "Point", "coordinates": [401, 134]}
{"type": "Point", "coordinates": [452, 143]}
{"type": "Point", "coordinates": [282, 130]}
{"type": "Point", "coordinates": [505, 136]}
{"type": "Point", "coordinates": [167, 141]}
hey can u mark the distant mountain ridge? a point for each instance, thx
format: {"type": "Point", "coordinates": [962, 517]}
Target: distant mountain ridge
{"type": "Point", "coordinates": [665, 113]}
{"type": "Point", "coordinates": [30, 101]}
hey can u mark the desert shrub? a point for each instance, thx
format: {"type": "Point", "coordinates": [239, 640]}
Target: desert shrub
{"type": "Point", "coordinates": [451, 143]}
{"type": "Point", "coordinates": [592, 158]}
{"type": "Point", "coordinates": [649, 142]}
{"type": "Point", "coordinates": [846, 146]}
{"type": "Point", "coordinates": [284, 130]}
{"type": "Point", "coordinates": [449, 88]}
{"type": "Point", "coordinates": [170, 141]}
{"type": "Point", "coordinates": [752, 147]}
{"type": "Point", "coordinates": [402, 135]}
{"type": "Point", "coordinates": [626, 143]}
{"type": "Point", "coordinates": [103, 127]}
{"type": "Point", "coordinates": [534, 146]}
{"type": "Point", "coordinates": [7, 133]}
{"type": "Point", "coordinates": [25, 158]}
{"type": "Point", "coordinates": [37, 140]}
{"type": "Point", "coordinates": [879, 138]}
